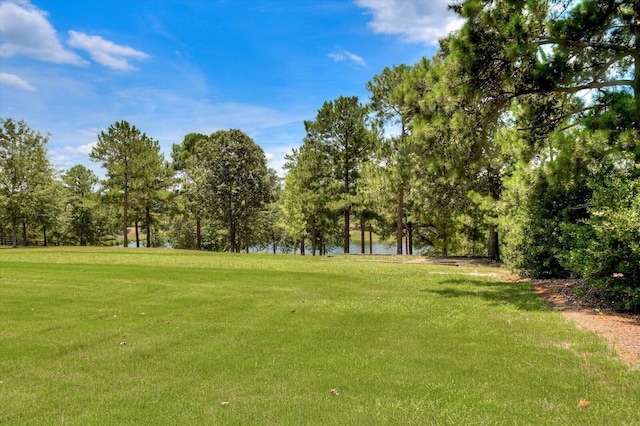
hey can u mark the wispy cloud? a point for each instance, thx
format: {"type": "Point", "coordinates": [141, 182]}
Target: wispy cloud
{"type": "Point", "coordinates": [83, 149]}
{"type": "Point", "coordinates": [14, 80]}
{"type": "Point", "coordinates": [341, 55]}
{"type": "Point", "coordinates": [276, 154]}
{"type": "Point", "coordinates": [106, 52]}
{"type": "Point", "coordinates": [25, 31]}
{"type": "Point", "coordinates": [66, 157]}
{"type": "Point", "coordinates": [417, 21]}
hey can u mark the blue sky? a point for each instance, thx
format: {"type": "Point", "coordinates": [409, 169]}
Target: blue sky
{"type": "Point", "coordinates": [72, 68]}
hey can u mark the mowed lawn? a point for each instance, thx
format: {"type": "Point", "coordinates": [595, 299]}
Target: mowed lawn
{"type": "Point", "coordinates": [113, 336]}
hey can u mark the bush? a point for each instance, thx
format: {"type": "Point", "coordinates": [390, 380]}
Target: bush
{"type": "Point", "coordinates": [607, 252]}
{"type": "Point", "coordinates": [535, 226]}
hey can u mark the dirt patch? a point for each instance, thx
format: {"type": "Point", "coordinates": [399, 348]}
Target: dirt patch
{"type": "Point", "coordinates": [453, 260]}
{"type": "Point", "coordinates": [590, 312]}
{"type": "Point", "coordinates": [466, 261]}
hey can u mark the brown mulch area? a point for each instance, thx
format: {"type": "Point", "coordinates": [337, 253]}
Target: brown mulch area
{"type": "Point", "coordinates": [585, 308]}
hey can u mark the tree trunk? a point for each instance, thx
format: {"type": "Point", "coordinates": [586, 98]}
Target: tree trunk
{"type": "Point", "coordinates": [406, 244]}
{"type": "Point", "coordinates": [198, 235]}
{"type": "Point", "coordinates": [302, 247]}
{"type": "Point", "coordinates": [82, 228]}
{"type": "Point", "coordinates": [246, 236]}
{"type": "Point", "coordinates": [232, 236]}
{"type": "Point", "coordinates": [410, 237]}
{"type": "Point", "coordinates": [370, 241]}
{"type": "Point", "coordinates": [14, 234]}
{"type": "Point", "coordinates": [400, 217]}
{"type": "Point", "coordinates": [445, 245]}
{"type": "Point", "coordinates": [25, 242]}
{"type": "Point", "coordinates": [125, 211]}
{"type": "Point", "coordinates": [137, 234]}
{"type": "Point", "coordinates": [346, 193]}
{"type": "Point", "coordinates": [313, 236]}
{"type": "Point", "coordinates": [494, 246]}
{"type": "Point", "coordinates": [148, 220]}
{"type": "Point", "coordinates": [44, 235]}
{"type": "Point", "coordinates": [362, 239]}
{"type": "Point", "coordinates": [346, 231]}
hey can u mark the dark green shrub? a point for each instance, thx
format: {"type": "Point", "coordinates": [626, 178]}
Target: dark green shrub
{"type": "Point", "coordinates": [607, 252]}
{"type": "Point", "coordinates": [537, 240]}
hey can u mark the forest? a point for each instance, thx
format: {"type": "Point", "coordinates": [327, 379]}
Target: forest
{"type": "Point", "coordinates": [519, 140]}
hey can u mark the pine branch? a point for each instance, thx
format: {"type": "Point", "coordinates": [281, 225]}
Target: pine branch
{"type": "Point", "coordinates": [559, 119]}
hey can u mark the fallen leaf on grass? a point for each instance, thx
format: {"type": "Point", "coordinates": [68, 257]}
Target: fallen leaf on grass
{"type": "Point", "coordinates": [224, 403]}
{"type": "Point", "coordinates": [123, 343]}
{"type": "Point", "coordinates": [335, 392]}
{"type": "Point", "coordinates": [583, 403]}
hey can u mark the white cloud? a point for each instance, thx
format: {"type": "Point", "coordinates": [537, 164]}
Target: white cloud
{"type": "Point", "coordinates": [343, 55]}
{"type": "Point", "coordinates": [65, 157]}
{"type": "Point", "coordinates": [276, 155]}
{"type": "Point", "coordinates": [14, 80]}
{"type": "Point", "coordinates": [417, 21]}
{"type": "Point", "coordinates": [82, 149]}
{"type": "Point", "coordinates": [25, 31]}
{"type": "Point", "coordinates": [106, 52]}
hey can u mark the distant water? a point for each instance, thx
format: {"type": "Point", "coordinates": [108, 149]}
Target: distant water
{"type": "Point", "coordinates": [378, 248]}
{"type": "Point", "coordinates": [354, 248]}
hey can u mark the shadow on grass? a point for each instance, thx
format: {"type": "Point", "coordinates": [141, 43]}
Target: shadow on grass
{"type": "Point", "coordinates": [519, 295]}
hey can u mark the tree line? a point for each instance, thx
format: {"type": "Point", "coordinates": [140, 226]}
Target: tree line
{"type": "Point", "coordinates": [216, 184]}
{"type": "Point", "coordinates": [519, 140]}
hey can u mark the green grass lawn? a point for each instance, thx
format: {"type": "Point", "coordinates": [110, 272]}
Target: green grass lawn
{"type": "Point", "coordinates": [117, 336]}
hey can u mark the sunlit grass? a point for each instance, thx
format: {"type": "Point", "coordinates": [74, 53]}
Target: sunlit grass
{"type": "Point", "coordinates": [124, 336]}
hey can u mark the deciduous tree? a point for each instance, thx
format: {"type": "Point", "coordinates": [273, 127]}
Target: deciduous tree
{"type": "Point", "coordinates": [232, 178]}
{"type": "Point", "coordinates": [25, 177]}
{"type": "Point", "coordinates": [82, 201]}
